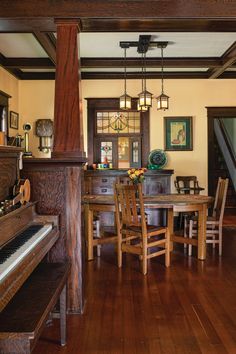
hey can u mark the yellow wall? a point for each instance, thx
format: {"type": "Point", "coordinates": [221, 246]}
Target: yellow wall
{"type": "Point", "coordinates": [10, 85]}
{"type": "Point", "coordinates": [36, 101]}
{"type": "Point", "coordinates": [187, 98]}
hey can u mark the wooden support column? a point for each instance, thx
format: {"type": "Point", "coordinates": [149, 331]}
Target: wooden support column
{"type": "Point", "coordinates": [57, 183]}
{"type": "Point", "coordinates": [68, 126]}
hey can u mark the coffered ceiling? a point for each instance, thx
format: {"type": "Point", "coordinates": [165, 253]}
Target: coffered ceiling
{"type": "Point", "coordinates": [198, 47]}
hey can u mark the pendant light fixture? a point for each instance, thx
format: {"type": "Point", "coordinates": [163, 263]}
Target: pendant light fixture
{"type": "Point", "coordinates": [162, 100]}
{"type": "Point", "coordinates": [145, 97]}
{"type": "Point", "coordinates": [125, 99]}
{"type": "Point", "coordinates": [142, 108]}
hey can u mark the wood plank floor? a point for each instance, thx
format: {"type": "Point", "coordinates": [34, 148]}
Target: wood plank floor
{"type": "Point", "coordinates": [188, 308]}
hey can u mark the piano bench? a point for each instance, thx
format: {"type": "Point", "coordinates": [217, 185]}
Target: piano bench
{"type": "Point", "coordinates": [24, 317]}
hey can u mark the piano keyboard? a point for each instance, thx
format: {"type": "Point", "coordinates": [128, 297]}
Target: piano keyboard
{"type": "Point", "coordinates": [23, 244]}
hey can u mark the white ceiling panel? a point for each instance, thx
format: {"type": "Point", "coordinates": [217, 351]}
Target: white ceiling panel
{"type": "Point", "coordinates": [182, 44]}
{"type": "Point", "coordinates": [20, 45]}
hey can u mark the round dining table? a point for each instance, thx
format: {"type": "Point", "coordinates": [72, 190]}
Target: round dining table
{"type": "Point", "coordinates": [170, 202]}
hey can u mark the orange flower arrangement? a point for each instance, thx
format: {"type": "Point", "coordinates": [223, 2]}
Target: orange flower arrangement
{"type": "Point", "coordinates": [136, 175]}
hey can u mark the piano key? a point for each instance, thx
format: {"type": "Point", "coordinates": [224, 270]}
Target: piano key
{"type": "Point", "coordinates": [17, 249]}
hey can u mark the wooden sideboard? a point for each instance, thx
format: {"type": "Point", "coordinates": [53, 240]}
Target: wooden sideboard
{"type": "Point", "coordinates": [102, 181]}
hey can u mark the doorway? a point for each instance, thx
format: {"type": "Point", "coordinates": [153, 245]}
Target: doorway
{"type": "Point", "coordinates": [216, 164]}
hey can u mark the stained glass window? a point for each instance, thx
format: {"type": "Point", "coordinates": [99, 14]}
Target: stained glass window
{"type": "Point", "coordinates": [117, 122]}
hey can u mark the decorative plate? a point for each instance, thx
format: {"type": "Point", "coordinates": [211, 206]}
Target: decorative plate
{"type": "Point", "coordinates": [157, 159]}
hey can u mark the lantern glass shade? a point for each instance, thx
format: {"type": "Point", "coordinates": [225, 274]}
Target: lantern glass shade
{"type": "Point", "coordinates": [163, 101]}
{"type": "Point", "coordinates": [125, 102]}
{"type": "Point", "coordinates": [145, 99]}
{"type": "Point", "coordinates": [142, 108]}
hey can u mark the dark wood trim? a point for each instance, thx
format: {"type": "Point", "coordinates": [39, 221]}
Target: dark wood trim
{"type": "Point", "coordinates": [137, 75]}
{"type": "Point", "coordinates": [47, 43]}
{"type": "Point", "coordinates": [94, 104]}
{"type": "Point", "coordinates": [119, 9]}
{"type": "Point", "coordinates": [29, 63]}
{"type": "Point", "coordinates": [37, 76]}
{"type": "Point", "coordinates": [228, 59]}
{"type": "Point", "coordinates": [141, 24]}
{"type": "Point", "coordinates": [150, 62]}
{"type": "Point", "coordinates": [30, 75]}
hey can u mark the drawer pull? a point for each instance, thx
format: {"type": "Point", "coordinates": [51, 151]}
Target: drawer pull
{"type": "Point", "coordinates": [104, 190]}
{"type": "Point", "coordinates": [104, 180]}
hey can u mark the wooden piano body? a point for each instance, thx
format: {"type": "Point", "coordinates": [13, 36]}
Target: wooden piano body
{"type": "Point", "coordinates": [17, 278]}
{"type": "Point", "coordinates": [11, 225]}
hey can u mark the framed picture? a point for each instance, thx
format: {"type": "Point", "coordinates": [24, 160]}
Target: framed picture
{"type": "Point", "coordinates": [14, 120]}
{"type": "Point", "coordinates": [178, 133]}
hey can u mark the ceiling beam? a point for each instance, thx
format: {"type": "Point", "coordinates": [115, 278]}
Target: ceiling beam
{"type": "Point", "coordinates": [48, 44]}
{"type": "Point", "coordinates": [14, 71]}
{"type": "Point", "coordinates": [47, 24]}
{"type": "Point", "coordinates": [227, 59]}
{"type": "Point", "coordinates": [118, 9]}
{"type": "Point", "coordinates": [150, 62]}
{"type": "Point", "coordinates": [120, 76]}
{"type": "Point", "coordinates": [138, 75]}
{"type": "Point", "coordinates": [28, 63]}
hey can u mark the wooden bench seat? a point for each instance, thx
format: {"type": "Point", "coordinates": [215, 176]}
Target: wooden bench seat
{"type": "Point", "coordinates": [23, 319]}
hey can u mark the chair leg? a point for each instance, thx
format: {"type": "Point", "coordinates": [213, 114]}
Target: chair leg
{"type": "Point", "coordinates": [144, 256]}
{"type": "Point", "coordinates": [220, 241]}
{"type": "Point", "coordinates": [144, 263]}
{"type": "Point", "coordinates": [167, 247]}
{"type": "Point", "coordinates": [119, 250]}
{"type": "Point", "coordinates": [185, 229]}
{"type": "Point", "coordinates": [190, 236]}
{"type": "Point", "coordinates": [99, 250]}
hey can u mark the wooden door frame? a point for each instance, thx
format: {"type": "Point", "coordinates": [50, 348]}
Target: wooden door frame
{"type": "Point", "coordinates": [213, 113]}
{"type": "Point", "coordinates": [94, 104]}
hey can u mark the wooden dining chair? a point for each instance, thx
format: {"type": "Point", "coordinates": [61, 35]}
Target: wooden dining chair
{"type": "Point", "coordinates": [134, 234]}
{"type": "Point", "coordinates": [215, 222]}
{"type": "Point", "coordinates": [187, 185]}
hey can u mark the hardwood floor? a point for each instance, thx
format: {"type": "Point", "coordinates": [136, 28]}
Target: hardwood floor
{"type": "Point", "coordinates": [187, 308]}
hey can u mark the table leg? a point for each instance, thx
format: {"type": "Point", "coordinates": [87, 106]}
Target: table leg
{"type": "Point", "coordinates": [202, 216]}
{"type": "Point", "coordinates": [89, 231]}
{"type": "Point", "coordinates": [170, 224]}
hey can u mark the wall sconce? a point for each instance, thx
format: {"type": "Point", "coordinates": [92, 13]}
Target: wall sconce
{"type": "Point", "coordinates": [44, 130]}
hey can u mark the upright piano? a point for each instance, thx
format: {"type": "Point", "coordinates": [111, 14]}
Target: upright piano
{"type": "Point", "coordinates": [25, 236]}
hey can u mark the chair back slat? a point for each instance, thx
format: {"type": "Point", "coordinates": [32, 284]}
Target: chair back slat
{"type": "Point", "coordinates": [186, 182]}
{"type": "Point", "coordinates": [220, 198]}
{"type": "Point", "coordinates": [126, 199]}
